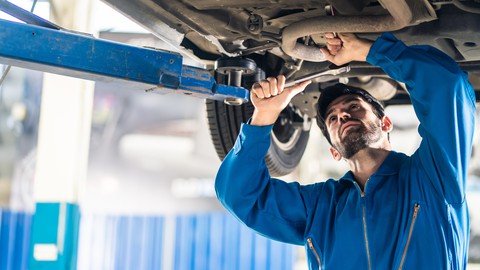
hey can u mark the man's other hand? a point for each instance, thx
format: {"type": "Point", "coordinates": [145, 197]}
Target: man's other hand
{"type": "Point", "coordinates": [346, 48]}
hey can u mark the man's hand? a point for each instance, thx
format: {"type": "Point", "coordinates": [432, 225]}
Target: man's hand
{"type": "Point", "coordinates": [346, 48]}
{"type": "Point", "coordinates": [270, 97]}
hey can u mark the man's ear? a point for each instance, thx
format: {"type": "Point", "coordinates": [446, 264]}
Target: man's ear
{"type": "Point", "coordinates": [335, 154]}
{"type": "Point", "coordinates": [387, 124]}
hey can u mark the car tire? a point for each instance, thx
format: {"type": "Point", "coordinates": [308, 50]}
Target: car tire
{"type": "Point", "coordinates": [288, 141]}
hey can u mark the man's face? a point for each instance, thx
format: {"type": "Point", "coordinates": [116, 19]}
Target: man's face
{"type": "Point", "coordinates": [352, 125]}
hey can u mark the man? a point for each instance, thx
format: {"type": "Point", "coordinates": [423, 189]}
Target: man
{"type": "Point", "coordinates": [390, 211]}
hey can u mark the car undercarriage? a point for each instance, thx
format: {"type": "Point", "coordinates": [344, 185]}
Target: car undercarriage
{"type": "Point", "coordinates": [241, 42]}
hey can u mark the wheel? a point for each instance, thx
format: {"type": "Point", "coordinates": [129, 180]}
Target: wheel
{"type": "Point", "coordinates": [289, 135]}
{"type": "Point", "coordinates": [288, 139]}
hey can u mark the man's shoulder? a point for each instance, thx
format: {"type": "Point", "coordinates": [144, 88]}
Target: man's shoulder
{"type": "Point", "coordinates": [329, 186]}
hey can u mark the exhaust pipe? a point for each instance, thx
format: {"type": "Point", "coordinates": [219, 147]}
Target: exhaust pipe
{"type": "Point", "coordinates": [400, 17]}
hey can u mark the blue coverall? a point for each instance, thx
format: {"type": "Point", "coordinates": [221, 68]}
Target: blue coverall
{"type": "Point", "coordinates": [413, 212]}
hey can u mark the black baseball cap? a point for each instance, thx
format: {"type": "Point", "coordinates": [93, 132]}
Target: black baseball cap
{"type": "Point", "coordinates": [331, 93]}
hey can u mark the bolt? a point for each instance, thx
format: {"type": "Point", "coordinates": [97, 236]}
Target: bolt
{"type": "Point", "coordinates": [289, 65]}
{"type": "Point", "coordinates": [255, 23]}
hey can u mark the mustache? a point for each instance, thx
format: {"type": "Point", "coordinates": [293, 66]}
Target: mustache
{"type": "Point", "coordinates": [351, 119]}
{"type": "Point", "coordinates": [340, 130]}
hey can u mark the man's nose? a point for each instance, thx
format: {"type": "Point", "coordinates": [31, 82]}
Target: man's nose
{"type": "Point", "coordinates": [344, 117]}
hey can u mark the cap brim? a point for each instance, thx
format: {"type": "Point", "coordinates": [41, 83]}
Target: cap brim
{"type": "Point", "coordinates": [329, 94]}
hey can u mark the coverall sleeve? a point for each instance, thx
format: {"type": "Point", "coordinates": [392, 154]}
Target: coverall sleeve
{"type": "Point", "coordinates": [272, 207]}
{"type": "Point", "coordinates": [444, 102]}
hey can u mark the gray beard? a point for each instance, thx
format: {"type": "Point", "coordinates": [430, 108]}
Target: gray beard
{"type": "Point", "coordinates": [358, 139]}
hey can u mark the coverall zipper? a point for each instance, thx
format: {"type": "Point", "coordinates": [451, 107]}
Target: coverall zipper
{"type": "Point", "coordinates": [310, 245]}
{"type": "Point", "coordinates": [366, 236]}
{"type": "Point", "coordinates": [364, 219]}
{"type": "Point", "coordinates": [412, 224]}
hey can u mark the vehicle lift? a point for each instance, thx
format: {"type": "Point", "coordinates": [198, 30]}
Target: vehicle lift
{"type": "Point", "coordinates": [43, 46]}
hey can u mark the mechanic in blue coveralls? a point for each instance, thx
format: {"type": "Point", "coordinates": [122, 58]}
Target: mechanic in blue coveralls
{"type": "Point", "coordinates": [390, 211]}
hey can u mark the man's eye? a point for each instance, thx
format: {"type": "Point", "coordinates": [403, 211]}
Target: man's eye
{"type": "Point", "coordinates": [332, 119]}
{"type": "Point", "coordinates": [354, 106]}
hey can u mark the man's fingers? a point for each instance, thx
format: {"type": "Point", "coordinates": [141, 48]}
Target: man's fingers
{"type": "Point", "coordinates": [265, 88]}
{"type": "Point", "coordinates": [327, 54]}
{"type": "Point", "coordinates": [333, 50]}
{"type": "Point", "coordinates": [269, 87]}
{"type": "Point", "coordinates": [273, 87]}
{"type": "Point", "coordinates": [334, 42]}
{"type": "Point", "coordinates": [257, 90]}
{"type": "Point", "coordinates": [281, 83]}
{"type": "Point", "coordinates": [329, 35]}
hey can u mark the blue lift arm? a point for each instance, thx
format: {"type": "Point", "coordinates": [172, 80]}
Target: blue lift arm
{"type": "Point", "coordinates": [73, 54]}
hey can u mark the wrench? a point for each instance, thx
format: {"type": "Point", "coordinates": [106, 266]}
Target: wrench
{"type": "Point", "coordinates": [332, 70]}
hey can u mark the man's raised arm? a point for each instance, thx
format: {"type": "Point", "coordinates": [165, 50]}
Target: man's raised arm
{"type": "Point", "coordinates": [243, 184]}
